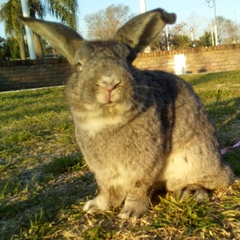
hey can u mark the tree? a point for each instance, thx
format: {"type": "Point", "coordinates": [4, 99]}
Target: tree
{"type": "Point", "coordinates": [228, 31]}
{"type": "Point", "coordinates": [12, 45]}
{"type": "Point", "coordinates": [105, 23]}
{"type": "Point", "coordinates": [205, 40]}
{"type": "Point", "coordinates": [8, 14]}
{"type": "Point", "coordinates": [179, 37]}
{"type": "Point", "coordinates": [180, 41]}
{"type": "Point", "coordinates": [197, 24]}
{"type": "Point", "coordinates": [4, 52]}
{"type": "Point", "coordinates": [9, 49]}
{"type": "Point", "coordinates": [159, 43]}
{"type": "Point", "coordinates": [65, 10]}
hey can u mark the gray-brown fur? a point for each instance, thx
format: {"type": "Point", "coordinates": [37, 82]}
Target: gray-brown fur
{"type": "Point", "coordinates": [139, 131]}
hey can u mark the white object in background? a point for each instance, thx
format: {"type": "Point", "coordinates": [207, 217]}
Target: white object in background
{"type": "Point", "coordinates": [29, 34]}
{"type": "Point", "coordinates": [142, 6]}
{"type": "Point", "coordinates": [180, 64]}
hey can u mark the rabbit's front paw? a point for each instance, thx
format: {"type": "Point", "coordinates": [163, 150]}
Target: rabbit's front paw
{"type": "Point", "coordinates": [134, 208]}
{"type": "Point", "coordinates": [96, 205]}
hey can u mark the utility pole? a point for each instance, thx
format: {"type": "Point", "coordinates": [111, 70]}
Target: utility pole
{"type": "Point", "coordinates": [167, 37]}
{"type": "Point", "coordinates": [212, 33]}
{"type": "Point", "coordinates": [192, 37]}
{"type": "Point", "coordinates": [142, 6]}
{"type": "Point", "coordinates": [215, 18]}
{"type": "Point", "coordinates": [215, 21]}
{"type": "Point", "coordinates": [29, 34]}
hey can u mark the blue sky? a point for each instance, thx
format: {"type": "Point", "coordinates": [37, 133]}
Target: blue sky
{"type": "Point", "coordinates": [185, 10]}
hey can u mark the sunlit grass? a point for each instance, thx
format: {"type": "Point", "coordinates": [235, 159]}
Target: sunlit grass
{"type": "Point", "coordinates": [44, 181]}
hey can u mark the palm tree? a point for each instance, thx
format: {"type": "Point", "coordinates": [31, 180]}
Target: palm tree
{"type": "Point", "coordinates": [8, 14]}
{"type": "Point", "coordinates": [65, 11]}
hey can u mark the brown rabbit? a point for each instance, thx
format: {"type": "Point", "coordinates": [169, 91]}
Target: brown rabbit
{"type": "Point", "coordinates": [139, 131]}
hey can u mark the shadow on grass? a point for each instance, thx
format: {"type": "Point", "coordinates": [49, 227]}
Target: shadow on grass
{"type": "Point", "coordinates": [214, 78]}
{"type": "Point", "coordinates": [201, 79]}
{"type": "Point", "coordinates": [226, 115]}
{"type": "Point", "coordinates": [17, 105]}
{"type": "Point", "coordinates": [37, 196]}
{"type": "Point", "coordinates": [15, 109]}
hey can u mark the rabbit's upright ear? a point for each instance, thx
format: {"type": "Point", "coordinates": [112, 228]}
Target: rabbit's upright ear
{"type": "Point", "coordinates": [61, 37]}
{"type": "Point", "coordinates": [141, 30]}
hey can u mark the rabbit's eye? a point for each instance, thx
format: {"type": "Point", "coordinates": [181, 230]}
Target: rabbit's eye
{"type": "Point", "coordinates": [79, 67]}
{"type": "Point", "coordinates": [121, 51]}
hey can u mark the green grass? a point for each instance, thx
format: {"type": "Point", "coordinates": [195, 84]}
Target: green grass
{"type": "Point", "coordinates": [44, 181]}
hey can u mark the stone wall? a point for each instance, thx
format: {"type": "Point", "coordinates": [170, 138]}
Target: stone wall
{"type": "Point", "coordinates": [16, 75]}
{"type": "Point", "coordinates": [195, 60]}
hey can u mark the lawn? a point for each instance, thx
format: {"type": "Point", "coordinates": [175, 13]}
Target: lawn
{"type": "Point", "coordinates": [44, 181]}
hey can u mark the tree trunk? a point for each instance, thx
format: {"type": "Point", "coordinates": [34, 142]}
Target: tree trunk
{"type": "Point", "coordinates": [21, 44]}
{"type": "Point", "coordinates": [38, 46]}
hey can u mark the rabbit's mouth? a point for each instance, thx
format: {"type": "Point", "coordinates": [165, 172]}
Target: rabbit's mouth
{"type": "Point", "coordinates": [108, 89]}
{"type": "Point", "coordinates": [107, 97]}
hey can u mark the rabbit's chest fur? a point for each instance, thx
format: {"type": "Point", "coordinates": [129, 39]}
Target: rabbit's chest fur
{"type": "Point", "coordinates": [95, 124]}
{"type": "Point", "coordinates": [124, 154]}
